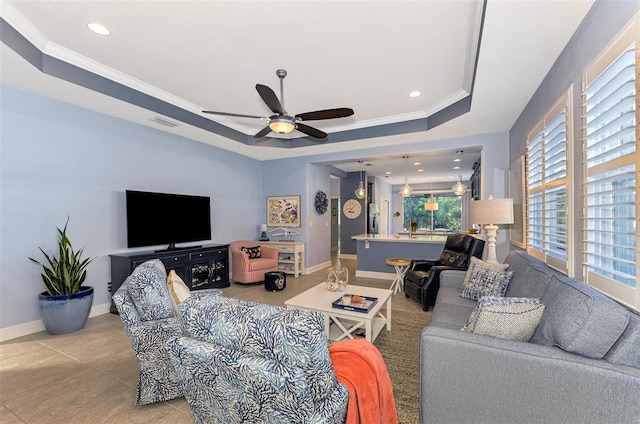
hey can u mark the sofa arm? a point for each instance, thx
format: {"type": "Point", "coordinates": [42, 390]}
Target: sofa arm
{"type": "Point", "coordinates": [471, 378]}
{"type": "Point", "coordinates": [452, 278]}
{"type": "Point", "coordinates": [269, 252]}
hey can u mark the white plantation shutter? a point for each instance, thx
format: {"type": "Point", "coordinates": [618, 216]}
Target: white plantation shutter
{"type": "Point", "coordinates": [547, 222]}
{"type": "Point", "coordinates": [610, 161]}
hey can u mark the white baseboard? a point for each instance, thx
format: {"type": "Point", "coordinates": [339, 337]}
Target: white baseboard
{"type": "Point", "coordinates": [348, 256]}
{"type": "Point", "coordinates": [36, 326]}
{"type": "Point", "coordinates": [375, 274]}
{"type": "Point", "coordinates": [318, 267]}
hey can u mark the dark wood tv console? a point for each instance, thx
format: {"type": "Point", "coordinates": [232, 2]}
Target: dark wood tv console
{"type": "Point", "coordinates": [203, 267]}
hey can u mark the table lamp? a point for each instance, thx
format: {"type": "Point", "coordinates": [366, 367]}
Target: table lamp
{"type": "Point", "coordinates": [491, 212]}
{"type": "Point", "coordinates": [263, 236]}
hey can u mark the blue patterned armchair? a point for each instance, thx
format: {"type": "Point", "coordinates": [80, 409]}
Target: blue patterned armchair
{"type": "Point", "coordinates": [244, 362]}
{"type": "Point", "coordinates": [149, 321]}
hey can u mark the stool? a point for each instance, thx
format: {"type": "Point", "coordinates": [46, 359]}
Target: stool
{"type": "Point", "coordinates": [275, 280]}
{"type": "Point", "coordinates": [401, 265]}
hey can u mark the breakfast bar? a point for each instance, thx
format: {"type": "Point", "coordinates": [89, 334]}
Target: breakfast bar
{"type": "Point", "coordinates": [374, 249]}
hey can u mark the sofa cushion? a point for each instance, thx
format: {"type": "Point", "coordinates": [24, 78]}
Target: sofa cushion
{"type": "Point", "coordinates": [512, 318]}
{"type": "Point", "coordinates": [178, 290]}
{"type": "Point", "coordinates": [579, 319]}
{"type": "Point", "coordinates": [478, 262]}
{"type": "Point", "coordinates": [259, 264]}
{"type": "Point", "coordinates": [486, 282]}
{"type": "Point", "coordinates": [148, 291]}
{"type": "Point", "coordinates": [626, 351]}
{"type": "Point", "coordinates": [252, 252]}
{"type": "Point", "coordinates": [450, 316]}
{"type": "Point", "coordinates": [532, 281]}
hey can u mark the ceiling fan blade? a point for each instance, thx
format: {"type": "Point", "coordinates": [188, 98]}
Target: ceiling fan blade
{"type": "Point", "coordinates": [270, 99]}
{"type": "Point", "coordinates": [239, 115]}
{"type": "Point", "coordinates": [266, 130]}
{"type": "Point", "coordinates": [341, 112]}
{"type": "Point", "coordinates": [313, 132]}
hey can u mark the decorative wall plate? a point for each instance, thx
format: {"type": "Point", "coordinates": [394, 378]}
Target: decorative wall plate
{"type": "Point", "coordinates": [321, 202]}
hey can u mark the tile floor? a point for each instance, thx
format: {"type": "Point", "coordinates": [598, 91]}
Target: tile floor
{"type": "Point", "coordinates": [90, 376]}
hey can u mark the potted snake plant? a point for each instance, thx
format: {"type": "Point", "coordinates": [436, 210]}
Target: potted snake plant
{"type": "Point", "coordinates": [65, 304]}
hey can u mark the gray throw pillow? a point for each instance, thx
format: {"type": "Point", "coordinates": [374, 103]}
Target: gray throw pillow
{"type": "Point", "coordinates": [478, 262]}
{"type": "Point", "coordinates": [512, 318]}
{"type": "Point", "coordinates": [486, 282]}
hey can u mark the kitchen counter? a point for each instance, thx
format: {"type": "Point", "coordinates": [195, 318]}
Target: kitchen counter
{"type": "Point", "coordinates": [374, 249]}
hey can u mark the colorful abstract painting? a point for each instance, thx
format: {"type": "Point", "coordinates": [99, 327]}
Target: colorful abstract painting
{"type": "Point", "coordinates": [283, 211]}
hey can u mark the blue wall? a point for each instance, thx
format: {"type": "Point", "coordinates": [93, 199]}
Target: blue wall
{"type": "Point", "coordinates": [59, 160]}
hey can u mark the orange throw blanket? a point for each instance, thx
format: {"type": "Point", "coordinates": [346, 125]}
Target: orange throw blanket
{"type": "Point", "coordinates": [359, 365]}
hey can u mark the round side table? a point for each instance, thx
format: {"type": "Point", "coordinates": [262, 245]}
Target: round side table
{"type": "Point", "coordinates": [401, 265]}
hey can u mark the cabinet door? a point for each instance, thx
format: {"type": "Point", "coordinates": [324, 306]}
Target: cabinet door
{"type": "Point", "coordinates": [209, 269]}
{"type": "Point", "coordinates": [177, 263]}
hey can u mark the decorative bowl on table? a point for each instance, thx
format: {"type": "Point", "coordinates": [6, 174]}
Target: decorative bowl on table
{"type": "Point", "coordinates": [337, 278]}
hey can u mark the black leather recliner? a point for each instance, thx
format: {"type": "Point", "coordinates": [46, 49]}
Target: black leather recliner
{"type": "Point", "coordinates": [422, 280]}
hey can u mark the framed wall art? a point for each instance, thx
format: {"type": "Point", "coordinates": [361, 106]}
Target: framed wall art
{"type": "Point", "coordinates": [283, 211]}
{"type": "Point", "coordinates": [517, 191]}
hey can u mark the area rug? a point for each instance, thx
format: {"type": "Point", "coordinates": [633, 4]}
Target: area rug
{"type": "Point", "coordinates": [400, 349]}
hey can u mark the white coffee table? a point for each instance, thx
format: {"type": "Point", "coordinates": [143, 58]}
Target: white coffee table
{"type": "Point", "coordinates": [345, 322]}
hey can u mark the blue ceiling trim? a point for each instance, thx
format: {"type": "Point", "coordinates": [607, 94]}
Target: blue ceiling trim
{"type": "Point", "coordinates": [71, 73]}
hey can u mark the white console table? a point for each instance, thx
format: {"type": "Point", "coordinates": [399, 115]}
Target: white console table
{"type": "Point", "coordinates": [291, 256]}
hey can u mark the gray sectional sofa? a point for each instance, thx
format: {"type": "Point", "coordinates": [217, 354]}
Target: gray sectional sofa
{"type": "Point", "coordinates": [582, 364]}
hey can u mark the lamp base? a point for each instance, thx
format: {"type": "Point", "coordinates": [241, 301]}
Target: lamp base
{"type": "Point", "coordinates": [263, 236]}
{"type": "Point", "coordinates": [492, 232]}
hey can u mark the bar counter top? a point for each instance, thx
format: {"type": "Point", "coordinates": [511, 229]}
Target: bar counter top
{"type": "Point", "coordinates": [400, 238]}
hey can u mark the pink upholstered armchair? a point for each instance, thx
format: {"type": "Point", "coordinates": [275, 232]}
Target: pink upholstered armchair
{"type": "Point", "coordinates": [245, 270]}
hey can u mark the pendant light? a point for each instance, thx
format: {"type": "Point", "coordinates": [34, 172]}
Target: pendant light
{"type": "Point", "coordinates": [406, 189]}
{"type": "Point", "coordinates": [361, 192]}
{"type": "Point", "coordinates": [431, 205]}
{"type": "Point", "coordinates": [459, 188]}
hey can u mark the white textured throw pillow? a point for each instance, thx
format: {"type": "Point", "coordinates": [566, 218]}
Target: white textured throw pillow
{"type": "Point", "coordinates": [512, 318]}
{"type": "Point", "coordinates": [178, 290]}
{"type": "Point", "coordinates": [477, 262]}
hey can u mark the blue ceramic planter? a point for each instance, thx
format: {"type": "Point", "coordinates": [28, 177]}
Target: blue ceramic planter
{"type": "Point", "coordinates": [66, 313]}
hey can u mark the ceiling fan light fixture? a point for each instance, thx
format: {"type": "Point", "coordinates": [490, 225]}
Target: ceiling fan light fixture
{"type": "Point", "coordinates": [281, 125]}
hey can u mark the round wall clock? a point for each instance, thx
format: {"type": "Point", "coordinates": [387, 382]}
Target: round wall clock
{"type": "Point", "coordinates": [321, 202]}
{"type": "Point", "coordinates": [352, 209]}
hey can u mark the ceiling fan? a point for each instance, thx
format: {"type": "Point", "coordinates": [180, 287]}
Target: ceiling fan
{"type": "Point", "coordinates": [282, 122]}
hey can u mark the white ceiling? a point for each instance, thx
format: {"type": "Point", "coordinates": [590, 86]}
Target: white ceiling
{"type": "Point", "coordinates": [366, 55]}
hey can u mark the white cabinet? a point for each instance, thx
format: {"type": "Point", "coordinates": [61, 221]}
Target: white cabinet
{"type": "Point", "coordinates": [291, 256]}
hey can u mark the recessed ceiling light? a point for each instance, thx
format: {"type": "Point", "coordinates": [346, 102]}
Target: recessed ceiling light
{"type": "Point", "coordinates": [420, 170]}
{"type": "Point", "coordinates": [417, 163]}
{"type": "Point", "coordinates": [415, 93]}
{"type": "Point", "coordinates": [456, 167]}
{"type": "Point", "coordinates": [388, 172]}
{"type": "Point", "coordinates": [457, 160]}
{"type": "Point", "coordinates": [98, 28]}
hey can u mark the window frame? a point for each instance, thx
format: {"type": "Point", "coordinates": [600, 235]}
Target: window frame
{"type": "Point", "coordinates": [538, 190]}
{"type": "Point", "coordinates": [619, 291]}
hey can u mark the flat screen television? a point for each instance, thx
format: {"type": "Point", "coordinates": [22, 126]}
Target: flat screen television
{"type": "Point", "coordinates": [164, 218]}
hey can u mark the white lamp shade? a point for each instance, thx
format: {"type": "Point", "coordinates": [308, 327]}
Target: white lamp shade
{"type": "Point", "coordinates": [492, 211]}
{"type": "Point", "coordinates": [431, 206]}
{"type": "Point", "coordinates": [263, 227]}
